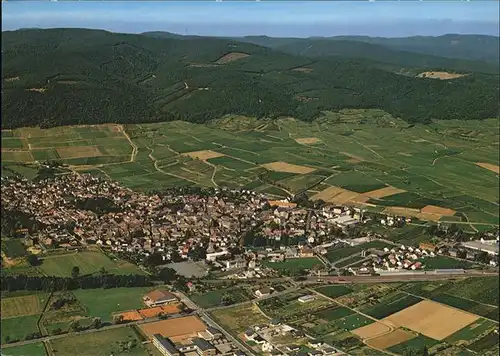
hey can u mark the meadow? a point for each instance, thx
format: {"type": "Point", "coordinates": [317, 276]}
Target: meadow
{"type": "Point", "coordinates": [88, 262]}
{"type": "Point", "coordinates": [334, 291]}
{"type": "Point", "coordinates": [27, 350]}
{"type": "Point", "coordinates": [353, 152]}
{"type": "Point", "coordinates": [101, 343]}
{"type": "Point", "coordinates": [18, 328]}
{"type": "Point", "coordinates": [214, 298]}
{"type": "Point", "coordinates": [294, 263]}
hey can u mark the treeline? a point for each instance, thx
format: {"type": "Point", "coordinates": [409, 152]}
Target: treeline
{"type": "Point", "coordinates": [74, 76]}
{"type": "Point", "coordinates": [23, 282]}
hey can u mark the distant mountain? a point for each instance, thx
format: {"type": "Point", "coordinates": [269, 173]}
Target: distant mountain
{"type": "Point", "coordinates": [471, 47]}
{"type": "Point", "coordinates": [78, 76]}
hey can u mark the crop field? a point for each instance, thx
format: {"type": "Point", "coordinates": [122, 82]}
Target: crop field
{"type": "Point", "coordinates": [386, 341]}
{"type": "Point", "coordinates": [487, 311]}
{"type": "Point", "coordinates": [78, 145]}
{"type": "Point", "coordinates": [334, 291]}
{"type": "Point", "coordinates": [88, 261]}
{"type": "Point", "coordinates": [352, 322]}
{"type": "Point", "coordinates": [36, 349]}
{"type": "Point", "coordinates": [376, 160]}
{"type": "Point", "coordinates": [471, 332]}
{"type": "Point", "coordinates": [18, 328]}
{"type": "Point", "coordinates": [22, 305]}
{"type": "Point", "coordinates": [294, 263]}
{"type": "Point", "coordinates": [483, 290]}
{"type": "Point", "coordinates": [390, 305]}
{"type": "Point", "coordinates": [101, 343]}
{"type": "Point", "coordinates": [417, 342]}
{"type": "Point", "coordinates": [426, 318]}
{"type": "Point", "coordinates": [214, 298]}
{"type": "Point", "coordinates": [485, 343]}
{"type": "Point", "coordinates": [372, 330]}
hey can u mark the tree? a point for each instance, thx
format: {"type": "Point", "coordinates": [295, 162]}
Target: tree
{"type": "Point", "coordinates": [33, 260]}
{"type": "Point", "coordinates": [167, 275]}
{"type": "Point", "coordinates": [75, 272]}
{"type": "Point", "coordinates": [118, 319]}
{"type": "Point", "coordinates": [96, 323]}
{"type": "Point", "coordinates": [74, 326]}
{"type": "Point", "coordinates": [103, 271]}
{"type": "Point", "coordinates": [425, 351]}
{"type": "Point", "coordinates": [483, 257]}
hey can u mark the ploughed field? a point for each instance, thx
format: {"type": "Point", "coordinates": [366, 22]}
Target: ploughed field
{"type": "Point", "coordinates": [444, 171]}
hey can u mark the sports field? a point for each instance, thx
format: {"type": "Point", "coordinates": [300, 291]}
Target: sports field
{"type": "Point", "coordinates": [88, 261]}
{"type": "Point", "coordinates": [444, 171]}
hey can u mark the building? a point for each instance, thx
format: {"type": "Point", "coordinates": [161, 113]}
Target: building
{"type": "Point", "coordinates": [213, 332]}
{"type": "Point", "coordinates": [488, 246]}
{"type": "Point", "coordinates": [236, 263]}
{"type": "Point", "coordinates": [427, 246]}
{"type": "Point", "coordinates": [203, 347]}
{"type": "Point", "coordinates": [165, 346]}
{"type": "Point", "coordinates": [306, 298]}
{"type": "Point", "coordinates": [263, 292]}
{"type": "Point", "coordinates": [158, 297]}
{"type": "Point", "coordinates": [306, 252]}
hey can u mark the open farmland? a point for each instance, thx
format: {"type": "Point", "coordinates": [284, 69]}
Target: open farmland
{"type": "Point", "coordinates": [18, 328]}
{"type": "Point", "coordinates": [22, 305]}
{"type": "Point", "coordinates": [426, 318]}
{"type": "Point", "coordinates": [361, 157]}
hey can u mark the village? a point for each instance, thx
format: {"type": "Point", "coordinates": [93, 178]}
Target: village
{"type": "Point", "coordinates": [75, 211]}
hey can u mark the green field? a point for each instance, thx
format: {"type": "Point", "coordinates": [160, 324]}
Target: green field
{"type": "Point", "coordinates": [18, 328]}
{"type": "Point", "coordinates": [214, 298]}
{"type": "Point", "coordinates": [27, 350]}
{"type": "Point", "coordinates": [352, 322]}
{"type": "Point", "coordinates": [485, 343]}
{"type": "Point", "coordinates": [390, 305]}
{"type": "Point", "coordinates": [110, 300]}
{"type": "Point", "coordinates": [471, 306]}
{"type": "Point", "coordinates": [483, 290]}
{"type": "Point", "coordinates": [88, 261]}
{"type": "Point", "coordinates": [334, 291]}
{"type": "Point", "coordinates": [294, 263]}
{"type": "Point", "coordinates": [350, 261]}
{"type": "Point", "coordinates": [416, 343]}
{"type": "Point", "coordinates": [334, 313]}
{"type": "Point", "coordinates": [443, 262]}
{"type": "Point", "coordinates": [470, 332]}
{"type": "Point", "coordinates": [13, 248]}
{"type": "Point", "coordinates": [336, 253]}
{"type": "Point", "coordinates": [434, 163]}
{"type": "Point", "coordinates": [101, 343]}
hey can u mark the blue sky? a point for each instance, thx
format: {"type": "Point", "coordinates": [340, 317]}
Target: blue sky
{"type": "Point", "coordinates": [281, 18]}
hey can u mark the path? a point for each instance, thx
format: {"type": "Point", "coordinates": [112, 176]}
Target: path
{"type": "Point", "coordinates": [134, 146]}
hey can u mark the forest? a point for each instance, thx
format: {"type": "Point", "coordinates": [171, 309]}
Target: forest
{"type": "Point", "coordinates": [77, 76]}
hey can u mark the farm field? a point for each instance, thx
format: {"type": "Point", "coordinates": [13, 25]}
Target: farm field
{"type": "Point", "coordinates": [288, 305]}
{"type": "Point", "coordinates": [18, 328]}
{"type": "Point", "coordinates": [27, 350]}
{"type": "Point", "coordinates": [390, 305]}
{"type": "Point", "coordinates": [121, 341]}
{"type": "Point", "coordinates": [334, 291]}
{"type": "Point", "coordinates": [443, 262]}
{"type": "Point", "coordinates": [294, 263]}
{"type": "Point", "coordinates": [88, 261]}
{"type": "Point", "coordinates": [371, 158]}
{"type": "Point", "coordinates": [23, 305]}
{"type": "Point", "coordinates": [417, 342]}
{"type": "Point", "coordinates": [471, 332]}
{"type": "Point", "coordinates": [214, 298]}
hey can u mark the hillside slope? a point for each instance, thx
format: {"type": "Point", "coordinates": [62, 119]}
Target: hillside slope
{"type": "Point", "coordinates": [76, 76]}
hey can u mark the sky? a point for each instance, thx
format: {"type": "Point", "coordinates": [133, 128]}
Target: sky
{"type": "Point", "coordinates": [277, 18]}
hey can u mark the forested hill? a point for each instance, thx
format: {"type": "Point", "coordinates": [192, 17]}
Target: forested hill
{"type": "Point", "coordinates": [78, 76]}
{"type": "Point", "coordinates": [466, 47]}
